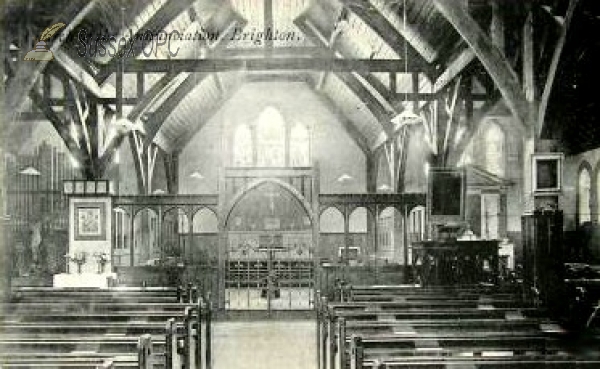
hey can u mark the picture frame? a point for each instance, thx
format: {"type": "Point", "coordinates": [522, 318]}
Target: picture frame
{"type": "Point", "coordinates": [90, 221]}
{"type": "Point", "coordinates": [353, 252]}
{"type": "Point", "coordinates": [446, 195]}
{"type": "Point", "coordinates": [547, 173]}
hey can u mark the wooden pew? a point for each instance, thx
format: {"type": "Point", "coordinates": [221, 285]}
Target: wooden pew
{"type": "Point", "coordinates": [360, 358]}
{"type": "Point", "coordinates": [52, 338]}
{"type": "Point", "coordinates": [184, 341]}
{"type": "Point", "coordinates": [404, 328]}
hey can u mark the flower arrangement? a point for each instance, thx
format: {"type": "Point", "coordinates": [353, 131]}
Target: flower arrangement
{"type": "Point", "coordinates": [102, 260]}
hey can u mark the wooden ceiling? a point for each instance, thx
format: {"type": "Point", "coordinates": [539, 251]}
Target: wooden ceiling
{"type": "Point", "coordinates": [418, 40]}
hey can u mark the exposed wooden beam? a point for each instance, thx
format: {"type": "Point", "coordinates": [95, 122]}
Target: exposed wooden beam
{"type": "Point", "coordinates": [473, 121]}
{"type": "Point", "coordinates": [263, 64]}
{"type": "Point", "coordinates": [187, 136]}
{"type": "Point", "coordinates": [558, 50]}
{"type": "Point", "coordinates": [383, 28]}
{"type": "Point", "coordinates": [268, 24]}
{"type": "Point", "coordinates": [491, 57]}
{"type": "Point", "coordinates": [454, 68]}
{"type": "Point", "coordinates": [372, 169]}
{"type": "Point", "coordinates": [65, 65]}
{"type": "Point", "coordinates": [351, 81]}
{"type": "Point", "coordinates": [162, 112]}
{"type": "Point", "coordinates": [379, 112]}
{"type": "Point", "coordinates": [171, 163]}
{"type": "Point", "coordinates": [28, 72]}
{"type": "Point", "coordinates": [279, 52]}
{"type": "Point", "coordinates": [158, 21]}
{"type": "Point", "coordinates": [409, 32]}
{"type": "Point", "coordinates": [64, 133]}
{"type": "Point", "coordinates": [149, 96]}
{"type": "Point", "coordinates": [497, 26]}
{"type": "Point", "coordinates": [529, 85]}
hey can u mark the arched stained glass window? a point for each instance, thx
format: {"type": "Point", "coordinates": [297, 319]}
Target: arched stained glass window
{"type": "Point", "coordinates": [271, 138]}
{"type": "Point", "coordinates": [495, 158]}
{"type": "Point", "coordinates": [299, 146]}
{"type": "Point", "coordinates": [584, 187]}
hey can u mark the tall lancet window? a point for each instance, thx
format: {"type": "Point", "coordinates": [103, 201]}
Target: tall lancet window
{"type": "Point", "coordinates": [271, 138]}
{"type": "Point", "coordinates": [584, 187]}
{"type": "Point", "coordinates": [299, 146]}
{"type": "Point", "coordinates": [242, 152]}
{"type": "Point", "coordinates": [495, 158]}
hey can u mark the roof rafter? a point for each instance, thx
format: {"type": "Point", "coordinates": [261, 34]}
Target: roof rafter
{"type": "Point", "coordinates": [162, 112]}
{"type": "Point", "coordinates": [391, 35]}
{"type": "Point", "coordinates": [492, 59]}
{"type": "Point", "coordinates": [28, 73]}
{"type": "Point", "coordinates": [380, 113]}
{"type": "Point", "coordinates": [558, 50]}
{"type": "Point", "coordinates": [454, 68]}
{"type": "Point", "coordinates": [408, 31]}
{"type": "Point", "coordinates": [264, 64]}
{"type": "Point", "coordinates": [158, 21]}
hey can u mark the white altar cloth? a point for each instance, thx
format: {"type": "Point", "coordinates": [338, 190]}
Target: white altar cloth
{"type": "Point", "coordinates": [93, 280]}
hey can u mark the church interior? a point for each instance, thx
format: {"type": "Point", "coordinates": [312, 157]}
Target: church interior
{"type": "Point", "coordinates": [321, 184]}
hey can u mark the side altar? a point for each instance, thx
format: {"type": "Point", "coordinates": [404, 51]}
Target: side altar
{"type": "Point", "coordinates": [88, 258]}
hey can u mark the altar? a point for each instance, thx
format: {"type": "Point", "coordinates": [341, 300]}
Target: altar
{"type": "Point", "coordinates": [455, 262]}
{"type": "Point", "coordinates": [87, 280]}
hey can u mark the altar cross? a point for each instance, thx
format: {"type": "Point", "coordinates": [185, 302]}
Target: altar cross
{"type": "Point", "coordinates": [272, 195]}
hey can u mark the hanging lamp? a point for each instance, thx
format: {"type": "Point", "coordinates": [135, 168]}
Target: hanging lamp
{"type": "Point", "coordinates": [407, 116]}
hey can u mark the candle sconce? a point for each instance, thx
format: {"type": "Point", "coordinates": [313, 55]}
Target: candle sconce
{"type": "Point", "coordinates": [78, 258]}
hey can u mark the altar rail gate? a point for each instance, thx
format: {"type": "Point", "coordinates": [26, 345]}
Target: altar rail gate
{"type": "Point", "coordinates": [273, 271]}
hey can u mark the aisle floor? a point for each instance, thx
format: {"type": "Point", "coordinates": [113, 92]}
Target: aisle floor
{"type": "Point", "coordinates": [264, 345]}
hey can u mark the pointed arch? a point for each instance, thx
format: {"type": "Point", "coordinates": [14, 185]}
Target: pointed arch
{"type": "Point", "coordinates": [495, 149]}
{"type": "Point", "coordinates": [205, 221]}
{"type": "Point", "coordinates": [145, 236]}
{"type": "Point", "coordinates": [331, 221]}
{"type": "Point", "coordinates": [286, 186]}
{"type": "Point", "coordinates": [357, 222]}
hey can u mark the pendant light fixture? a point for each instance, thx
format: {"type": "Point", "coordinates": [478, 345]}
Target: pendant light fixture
{"type": "Point", "coordinates": [407, 116]}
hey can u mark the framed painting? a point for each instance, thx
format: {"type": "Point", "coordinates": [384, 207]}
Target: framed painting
{"type": "Point", "coordinates": [90, 221]}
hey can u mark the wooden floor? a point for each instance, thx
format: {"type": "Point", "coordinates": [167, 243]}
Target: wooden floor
{"type": "Point", "coordinates": [271, 344]}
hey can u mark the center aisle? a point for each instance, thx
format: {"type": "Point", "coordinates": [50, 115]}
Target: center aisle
{"type": "Point", "coordinates": [264, 345]}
